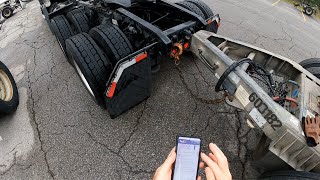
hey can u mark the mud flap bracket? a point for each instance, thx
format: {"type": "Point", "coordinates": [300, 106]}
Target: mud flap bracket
{"type": "Point", "coordinates": [129, 83]}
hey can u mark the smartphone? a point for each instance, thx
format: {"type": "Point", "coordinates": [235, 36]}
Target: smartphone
{"type": "Point", "coordinates": [187, 160]}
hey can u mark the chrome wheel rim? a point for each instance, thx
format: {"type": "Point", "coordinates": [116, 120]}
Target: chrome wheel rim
{"type": "Point", "coordinates": [309, 11]}
{"type": "Point", "coordinates": [83, 79]}
{"type": "Point", "coordinates": [6, 89]}
{"type": "Point", "coordinates": [6, 12]}
{"type": "Point", "coordinates": [61, 47]}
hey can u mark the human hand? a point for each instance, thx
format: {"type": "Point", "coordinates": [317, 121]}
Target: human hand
{"type": "Point", "coordinates": [218, 168]}
{"type": "Point", "coordinates": [312, 130]}
{"type": "Point", "coordinates": [164, 172]}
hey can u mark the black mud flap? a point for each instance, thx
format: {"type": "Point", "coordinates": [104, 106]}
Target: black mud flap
{"type": "Point", "coordinates": [129, 84]}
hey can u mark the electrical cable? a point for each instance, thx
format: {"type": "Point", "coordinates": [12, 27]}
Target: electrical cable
{"type": "Point", "coordinates": [226, 73]}
{"type": "Point", "coordinates": [269, 81]}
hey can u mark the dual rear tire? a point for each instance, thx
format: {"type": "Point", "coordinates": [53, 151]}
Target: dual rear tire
{"type": "Point", "coordinates": [78, 20]}
{"type": "Point", "coordinates": [201, 9]}
{"type": "Point", "coordinates": [62, 30]}
{"type": "Point", "coordinates": [92, 66]}
{"type": "Point", "coordinates": [73, 23]}
{"type": "Point", "coordinates": [95, 55]}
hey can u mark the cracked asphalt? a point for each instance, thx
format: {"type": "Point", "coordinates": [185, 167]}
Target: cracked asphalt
{"type": "Point", "coordinates": [58, 132]}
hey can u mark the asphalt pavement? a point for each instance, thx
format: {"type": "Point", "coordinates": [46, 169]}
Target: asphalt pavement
{"type": "Point", "coordinates": [58, 132]}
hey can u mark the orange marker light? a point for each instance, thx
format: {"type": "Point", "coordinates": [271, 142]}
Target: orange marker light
{"type": "Point", "coordinates": [186, 45]}
{"type": "Point", "coordinates": [141, 57]}
{"type": "Point", "coordinates": [112, 89]}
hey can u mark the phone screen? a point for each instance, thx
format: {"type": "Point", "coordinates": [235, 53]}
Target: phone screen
{"type": "Point", "coordinates": [186, 165]}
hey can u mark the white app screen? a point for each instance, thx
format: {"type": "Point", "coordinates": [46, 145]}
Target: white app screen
{"type": "Point", "coordinates": [186, 164]}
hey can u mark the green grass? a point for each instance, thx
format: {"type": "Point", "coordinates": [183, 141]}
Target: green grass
{"type": "Point", "coordinates": [289, 1]}
{"type": "Point", "coordinates": [318, 14]}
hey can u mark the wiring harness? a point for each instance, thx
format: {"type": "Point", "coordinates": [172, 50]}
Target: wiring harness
{"type": "Point", "coordinates": [278, 91]}
{"type": "Point", "coordinates": [264, 75]}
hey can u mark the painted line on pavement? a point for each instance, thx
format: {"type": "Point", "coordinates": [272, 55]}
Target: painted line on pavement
{"type": "Point", "coordinates": [275, 3]}
{"type": "Point", "coordinates": [304, 17]}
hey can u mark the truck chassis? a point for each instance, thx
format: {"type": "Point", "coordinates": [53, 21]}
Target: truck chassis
{"type": "Point", "coordinates": [116, 45]}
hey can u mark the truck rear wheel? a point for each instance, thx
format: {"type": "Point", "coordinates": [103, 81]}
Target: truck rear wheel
{"type": "Point", "coordinates": [62, 30]}
{"type": "Point", "coordinates": [191, 7]}
{"type": "Point", "coordinates": [112, 40]}
{"type": "Point", "coordinates": [202, 10]}
{"type": "Point", "coordinates": [91, 65]}
{"type": "Point", "coordinates": [289, 175]}
{"type": "Point", "coordinates": [78, 20]}
{"type": "Point", "coordinates": [9, 97]}
{"type": "Point", "coordinates": [7, 12]}
{"type": "Point", "coordinates": [312, 65]}
{"type": "Point", "coordinates": [203, 7]}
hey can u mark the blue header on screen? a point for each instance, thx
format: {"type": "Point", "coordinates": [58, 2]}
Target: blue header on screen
{"type": "Point", "coordinates": [186, 140]}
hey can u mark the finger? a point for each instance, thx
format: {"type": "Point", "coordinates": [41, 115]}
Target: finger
{"type": "Point", "coordinates": [221, 158]}
{"type": "Point", "coordinates": [199, 178]}
{"type": "Point", "coordinates": [213, 166]}
{"type": "Point", "coordinates": [172, 151]}
{"type": "Point", "coordinates": [213, 157]}
{"type": "Point", "coordinates": [201, 165]}
{"type": "Point", "coordinates": [170, 159]}
{"type": "Point", "coordinates": [308, 119]}
{"type": "Point", "coordinates": [209, 174]}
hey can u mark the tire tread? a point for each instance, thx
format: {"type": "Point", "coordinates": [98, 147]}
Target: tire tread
{"type": "Point", "coordinates": [192, 7]}
{"type": "Point", "coordinates": [203, 7]}
{"type": "Point", "coordinates": [79, 20]}
{"type": "Point", "coordinates": [61, 29]}
{"type": "Point", "coordinates": [95, 66]}
{"type": "Point", "coordinates": [114, 43]}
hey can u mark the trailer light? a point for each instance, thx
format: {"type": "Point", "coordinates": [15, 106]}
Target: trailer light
{"type": "Point", "coordinates": [124, 65]}
{"type": "Point", "coordinates": [186, 45]}
{"type": "Point", "coordinates": [174, 51]}
{"type": "Point", "coordinates": [141, 57]}
{"type": "Point", "coordinates": [112, 89]}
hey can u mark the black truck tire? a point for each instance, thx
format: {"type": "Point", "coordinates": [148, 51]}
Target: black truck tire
{"type": "Point", "coordinates": [312, 65]}
{"type": "Point", "coordinates": [62, 30]}
{"type": "Point", "coordinates": [112, 40]}
{"type": "Point", "coordinates": [91, 65]}
{"type": "Point", "coordinates": [203, 7]}
{"type": "Point", "coordinates": [191, 7]}
{"type": "Point", "coordinates": [202, 10]}
{"type": "Point", "coordinates": [9, 97]}
{"type": "Point", "coordinates": [308, 11]}
{"type": "Point", "coordinates": [7, 12]}
{"type": "Point", "coordinates": [311, 62]}
{"type": "Point", "coordinates": [79, 20]}
{"type": "Point", "coordinates": [289, 175]}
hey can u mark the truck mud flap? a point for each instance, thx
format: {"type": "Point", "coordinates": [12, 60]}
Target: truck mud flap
{"type": "Point", "coordinates": [129, 84]}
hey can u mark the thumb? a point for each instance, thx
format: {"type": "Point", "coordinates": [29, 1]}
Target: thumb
{"type": "Point", "coordinates": [170, 159]}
